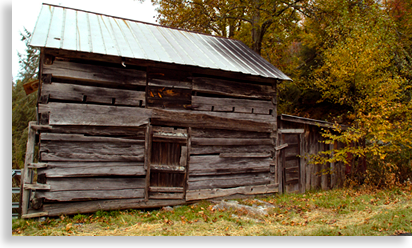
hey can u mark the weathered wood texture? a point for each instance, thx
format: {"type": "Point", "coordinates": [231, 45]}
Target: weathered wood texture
{"type": "Point", "coordinates": [94, 115]}
{"type": "Point", "coordinates": [103, 153]}
{"type": "Point", "coordinates": [313, 176]}
{"type": "Point", "coordinates": [91, 151]}
{"type": "Point", "coordinates": [237, 158]}
{"type": "Point", "coordinates": [245, 190]}
{"type": "Point", "coordinates": [93, 94]}
{"type": "Point", "coordinates": [207, 120]}
{"type": "Point", "coordinates": [27, 173]}
{"type": "Point", "coordinates": [232, 105]}
{"type": "Point", "coordinates": [232, 88]}
{"type": "Point", "coordinates": [96, 73]}
{"type": "Point", "coordinates": [92, 206]}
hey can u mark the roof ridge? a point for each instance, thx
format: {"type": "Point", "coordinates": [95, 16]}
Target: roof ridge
{"type": "Point", "coordinates": [133, 20]}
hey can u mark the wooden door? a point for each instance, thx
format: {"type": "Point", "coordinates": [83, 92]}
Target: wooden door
{"type": "Point", "coordinates": [168, 163]}
{"type": "Point", "coordinates": [291, 160]}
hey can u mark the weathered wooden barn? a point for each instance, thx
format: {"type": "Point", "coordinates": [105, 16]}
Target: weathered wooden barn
{"type": "Point", "coordinates": [136, 115]}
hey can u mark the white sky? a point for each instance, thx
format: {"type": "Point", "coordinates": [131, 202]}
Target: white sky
{"type": "Point", "coordinates": [25, 13]}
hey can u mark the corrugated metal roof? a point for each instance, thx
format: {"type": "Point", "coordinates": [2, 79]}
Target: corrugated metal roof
{"type": "Point", "coordinates": [77, 30]}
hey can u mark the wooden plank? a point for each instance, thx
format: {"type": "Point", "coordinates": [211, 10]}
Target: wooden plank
{"type": "Point", "coordinates": [96, 73]}
{"type": "Point", "coordinates": [291, 131]}
{"type": "Point", "coordinates": [88, 151]}
{"type": "Point", "coordinates": [158, 195]}
{"type": "Point", "coordinates": [71, 164]}
{"type": "Point", "coordinates": [34, 215]}
{"type": "Point", "coordinates": [36, 186]}
{"type": "Point", "coordinates": [82, 195]}
{"type": "Point", "coordinates": [232, 88]}
{"type": "Point", "coordinates": [166, 189]}
{"type": "Point", "coordinates": [203, 150]}
{"type": "Point", "coordinates": [213, 164]}
{"type": "Point", "coordinates": [170, 83]}
{"type": "Point", "coordinates": [189, 118]}
{"type": "Point", "coordinates": [230, 142]}
{"type": "Point", "coordinates": [183, 156]}
{"type": "Point", "coordinates": [84, 138]}
{"type": "Point", "coordinates": [69, 184]}
{"type": "Point", "coordinates": [278, 148]}
{"type": "Point", "coordinates": [245, 190]}
{"type": "Point", "coordinates": [167, 168]}
{"type": "Point", "coordinates": [26, 177]}
{"type": "Point", "coordinates": [147, 157]}
{"type": "Point", "coordinates": [333, 166]}
{"type": "Point", "coordinates": [131, 132]}
{"type": "Point", "coordinates": [93, 94]}
{"type": "Point", "coordinates": [215, 133]}
{"type": "Point", "coordinates": [57, 209]}
{"type": "Point", "coordinates": [241, 116]}
{"type": "Point", "coordinates": [232, 105]}
{"type": "Point", "coordinates": [245, 155]}
{"type": "Point", "coordinates": [37, 165]}
{"type": "Point", "coordinates": [227, 181]}
{"type": "Point", "coordinates": [302, 173]}
{"type": "Point", "coordinates": [95, 115]}
{"type": "Point", "coordinates": [94, 171]}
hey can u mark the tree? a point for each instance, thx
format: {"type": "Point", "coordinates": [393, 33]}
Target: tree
{"type": "Point", "coordinates": [357, 64]}
{"type": "Point", "coordinates": [246, 20]}
{"type": "Point", "coordinates": [23, 106]}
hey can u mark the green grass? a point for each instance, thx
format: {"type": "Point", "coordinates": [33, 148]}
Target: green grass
{"type": "Point", "coordinates": [339, 212]}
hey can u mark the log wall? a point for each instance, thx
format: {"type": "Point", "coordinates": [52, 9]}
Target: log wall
{"type": "Point", "coordinates": [113, 137]}
{"type": "Point", "coordinates": [313, 176]}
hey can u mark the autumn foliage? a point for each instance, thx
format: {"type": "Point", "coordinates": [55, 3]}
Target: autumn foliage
{"type": "Point", "coordinates": [351, 62]}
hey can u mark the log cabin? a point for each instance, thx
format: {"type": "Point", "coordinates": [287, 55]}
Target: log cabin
{"type": "Point", "coordinates": [137, 115]}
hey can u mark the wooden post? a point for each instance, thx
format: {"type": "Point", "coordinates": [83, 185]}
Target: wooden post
{"type": "Point", "coordinates": [26, 177]}
{"type": "Point", "coordinates": [147, 155]}
{"type": "Point", "coordinates": [188, 146]}
{"type": "Point", "coordinates": [279, 161]}
{"type": "Point", "coordinates": [302, 176]}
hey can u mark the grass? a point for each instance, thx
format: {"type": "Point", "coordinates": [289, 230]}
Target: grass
{"type": "Point", "coordinates": [338, 212]}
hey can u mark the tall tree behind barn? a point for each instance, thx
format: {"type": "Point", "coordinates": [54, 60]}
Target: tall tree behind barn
{"type": "Point", "coordinates": [136, 115]}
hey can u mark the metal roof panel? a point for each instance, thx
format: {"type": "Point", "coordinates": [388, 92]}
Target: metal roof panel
{"type": "Point", "coordinates": [79, 30]}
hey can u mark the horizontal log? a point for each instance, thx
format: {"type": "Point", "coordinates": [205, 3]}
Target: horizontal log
{"type": "Point", "coordinates": [93, 164]}
{"type": "Point", "coordinates": [227, 181]}
{"type": "Point", "coordinates": [171, 168]}
{"type": "Point", "coordinates": [69, 184]}
{"type": "Point", "coordinates": [215, 133]}
{"type": "Point", "coordinates": [190, 119]}
{"type": "Point", "coordinates": [93, 94]}
{"type": "Point", "coordinates": [84, 138]}
{"type": "Point", "coordinates": [131, 132]}
{"type": "Point", "coordinates": [95, 73]}
{"type": "Point", "coordinates": [36, 186]}
{"type": "Point", "coordinates": [232, 88]}
{"type": "Point", "coordinates": [95, 115]}
{"type": "Point", "coordinates": [293, 131]}
{"type": "Point", "coordinates": [245, 155]}
{"type": "Point", "coordinates": [82, 195]}
{"type": "Point", "coordinates": [241, 116]}
{"type": "Point", "coordinates": [37, 165]}
{"type": "Point", "coordinates": [99, 151]}
{"type": "Point", "coordinates": [202, 150]}
{"type": "Point", "coordinates": [246, 190]}
{"type": "Point", "coordinates": [215, 165]}
{"type": "Point", "coordinates": [170, 83]}
{"type": "Point", "coordinates": [232, 105]}
{"type": "Point", "coordinates": [230, 142]}
{"type": "Point", "coordinates": [159, 195]}
{"type": "Point", "coordinates": [68, 208]}
{"type": "Point", "coordinates": [93, 171]}
{"type": "Point", "coordinates": [35, 215]}
{"type": "Point", "coordinates": [166, 189]}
